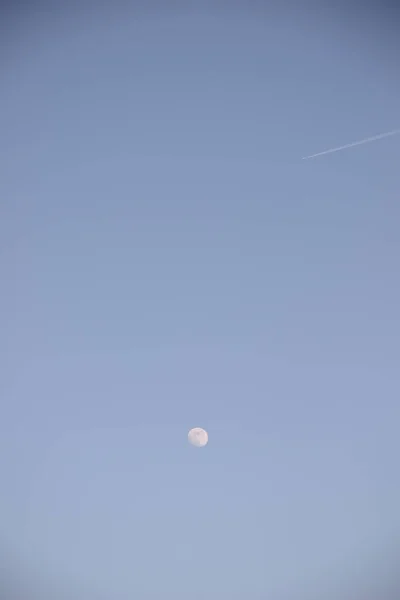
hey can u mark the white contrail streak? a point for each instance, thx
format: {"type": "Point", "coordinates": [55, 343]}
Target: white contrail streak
{"type": "Point", "coordinates": [366, 141]}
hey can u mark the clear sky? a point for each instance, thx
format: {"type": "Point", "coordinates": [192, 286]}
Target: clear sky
{"type": "Point", "coordinates": [168, 261]}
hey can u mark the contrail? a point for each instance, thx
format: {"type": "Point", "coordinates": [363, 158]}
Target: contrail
{"type": "Point", "coordinates": [366, 141]}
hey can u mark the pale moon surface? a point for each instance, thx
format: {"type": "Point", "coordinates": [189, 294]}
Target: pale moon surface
{"type": "Point", "coordinates": [198, 437]}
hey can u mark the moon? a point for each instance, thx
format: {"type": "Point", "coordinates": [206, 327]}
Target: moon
{"type": "Point", "coordinates": [198, 437]}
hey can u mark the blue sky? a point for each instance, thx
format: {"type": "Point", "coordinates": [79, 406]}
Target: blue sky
{"type": "Point", "coordinates": [169, 261]}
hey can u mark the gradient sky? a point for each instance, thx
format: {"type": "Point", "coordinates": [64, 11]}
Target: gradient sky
{"type": "Point", "coordinates": [169, 261]}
